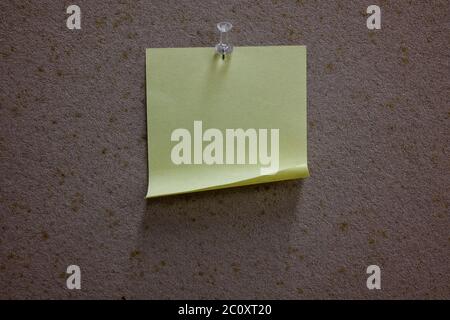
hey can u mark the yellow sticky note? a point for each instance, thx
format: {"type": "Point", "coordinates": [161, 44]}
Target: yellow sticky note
{"type": "Point", "coordinates": [254, 100]}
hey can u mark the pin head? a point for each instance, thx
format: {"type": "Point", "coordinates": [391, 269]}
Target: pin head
{"type": "Point", "coordinates": [224, 26]}
{"type": "Point", "coordinates": [224, 47]}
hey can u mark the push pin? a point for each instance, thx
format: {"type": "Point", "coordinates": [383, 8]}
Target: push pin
{"type": "Point", "coordinates": [224, 47]}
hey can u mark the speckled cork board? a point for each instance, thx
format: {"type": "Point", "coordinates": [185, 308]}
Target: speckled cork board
{"type": "Point", "coordinates": [73, 164]}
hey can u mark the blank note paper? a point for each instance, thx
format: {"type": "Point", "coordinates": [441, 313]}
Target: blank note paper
{"type": "Point", "coordinates": [215, 123]}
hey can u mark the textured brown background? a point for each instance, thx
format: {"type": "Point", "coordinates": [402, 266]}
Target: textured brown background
{"type": "Point", "coordinates": [73, 165]}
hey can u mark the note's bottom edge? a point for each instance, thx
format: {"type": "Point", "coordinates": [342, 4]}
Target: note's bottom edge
{"type": "Point", "coordinates": [300, 172]}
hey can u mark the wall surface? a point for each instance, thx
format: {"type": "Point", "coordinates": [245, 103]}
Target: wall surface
{"type": "Point", "coordinates": [73, 163]}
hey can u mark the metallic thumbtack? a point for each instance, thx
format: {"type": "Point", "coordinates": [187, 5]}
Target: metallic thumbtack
{"type": "Point", "coordinates": [224, 47]}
